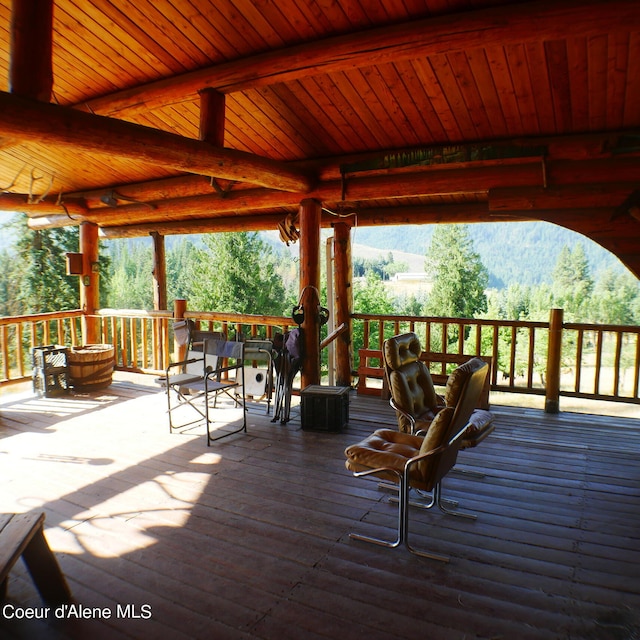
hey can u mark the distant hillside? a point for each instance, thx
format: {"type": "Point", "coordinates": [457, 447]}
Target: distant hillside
{"type": "Point", "coordinates": [513, 252]}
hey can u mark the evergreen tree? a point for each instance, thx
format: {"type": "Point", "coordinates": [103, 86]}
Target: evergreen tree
{"type": "Point", "coordinates": [39, 269]}
{"type": "Point", "coordinates": [460, 278]}
{"type": "Point", "coordinates": [572, 283]}
{"type": "Point", "coordinates": [178, 270]}
{"type": "Point", "coordinates": [616, 298]}
{"type": "Point", "coordinates": [235, 272]}
{"type": "Point", "coordinates": [131, 284]}
{"type": "Point", "coordinates": [370, 297]}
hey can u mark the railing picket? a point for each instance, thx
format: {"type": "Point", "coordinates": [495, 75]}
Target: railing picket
{"type": "Point", "coordinates": [578, 367]}
{"type": "Point", "coordinates": [141, 339]}
{"type": "Point", "coordinates": [616, 364]}
{"type": "Point", "coordinates": [133, 342]}
{"type": "Point", "coordinates": [512, 357]}
{"type": "Point", "coordinates": [636, 374]}
{"type": "Point", "coordinates": [531, 356]}
{"type": "Point", "coordinates": [596, 385]}
{"type": "Point", "coordinates": [4, 344]}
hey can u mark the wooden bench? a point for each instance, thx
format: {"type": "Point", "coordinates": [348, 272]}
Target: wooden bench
{"type": "Point", "coordinates": [439, 375]}
{"type": "Point", "coordinates": [366, 369]}
{"type": "Point", "coordinates": [23, 535]}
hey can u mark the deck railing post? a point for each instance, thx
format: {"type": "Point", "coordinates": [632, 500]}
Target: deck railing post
{"type": "Point", "coordinates": [179, 309]}
{"type": "Point", "coordinates": [89, 281]}
{"type": "Point", "coordinates": [554, 355]}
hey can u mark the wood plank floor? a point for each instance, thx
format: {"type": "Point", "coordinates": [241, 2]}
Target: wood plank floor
{"type": "Point", "coordinates": [161, 537]}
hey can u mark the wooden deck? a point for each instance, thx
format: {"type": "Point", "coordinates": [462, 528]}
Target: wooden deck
{"type": "Point", "coordinates": [249, 538]}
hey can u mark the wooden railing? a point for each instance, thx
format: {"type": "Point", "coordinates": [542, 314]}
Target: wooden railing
{"type": "Point", "coordinates": [19, 334]}
{"type": "Point", "coordinates": [580, 360]}
{"type": "Point", "coordinates": [141, 339]}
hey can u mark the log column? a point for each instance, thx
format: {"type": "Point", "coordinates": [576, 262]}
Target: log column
{"type": "Point", "coordinates": [159, 272]}
{"type": "Point", "coordinates": [30, 67]}
{"type": "Point", "coordinates": [160, 293]}
{"type": "Point", "coordinates": [89, 281]}
{"type": "Point", "coordinates": [343, 301]}
{"type": "Point", "coordinates": [554, 359]}
{"type": "Point", "coordinates": [179, 309]}
{"type": "Point", "coordinates": [310, 214]}
{"type": "Point", "coordinates": [212, 116]}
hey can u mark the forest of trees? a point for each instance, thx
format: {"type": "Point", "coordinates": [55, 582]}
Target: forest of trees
{"type": "Point", "coordinates": [245, 273]}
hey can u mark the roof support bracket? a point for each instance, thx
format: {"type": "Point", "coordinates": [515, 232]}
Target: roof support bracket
{"type": "Point", "coordinates": [220, 190]}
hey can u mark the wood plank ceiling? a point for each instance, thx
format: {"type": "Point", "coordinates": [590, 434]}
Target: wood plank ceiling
{"type": "Point", "coordinates": [397, 110]}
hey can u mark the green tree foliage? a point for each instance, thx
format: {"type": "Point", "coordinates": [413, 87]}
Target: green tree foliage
{"type": "Point", "coordinates": [616, 299]}
{"type": "Point", "coordinates": [10, 284]}
{"type": "Point", "coordinates": [371, 297]}
{"type": "Point", "coordinates": [572, 282]}
{"type": "Point", "coordinates": [460, 278]}
{"type": "Point", "coordinates": [385, 267]}
{"type": "Point", "coordinates": [234, 272]}
{"type": "Point", "coordinates": [179, 255]}
{"type": "Point", "coordinates": [131, 278]}
{"type": "Point", "coordinates": [36, 270]}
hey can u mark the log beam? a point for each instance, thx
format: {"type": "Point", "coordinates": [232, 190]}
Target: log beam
{"type": "Point", "coordinates": [499, 26]}
{"type": "Point", "coordinates": [572, 159]}
{"type": "Point", "coordinates": [68, 207]}
{"type": "Point", "coordinates": [558, 197]}
{"type": "Point", "coordinates": [28, 120]}
{"type": "Point", "coordinates": [427, 214]}
{"type": "Point", "coordinates": [508, 186]}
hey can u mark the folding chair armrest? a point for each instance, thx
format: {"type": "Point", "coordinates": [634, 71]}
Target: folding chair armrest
{"type": "Point", "coordinates": [182, 363]}
{"type": "Point", "coordinates": [219, 370]}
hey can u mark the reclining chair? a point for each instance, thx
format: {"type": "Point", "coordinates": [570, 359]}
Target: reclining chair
{"type": "Point", "coordinates": [420, 461]}
{"type": "Point", "coordinates": [414, 397]}
{"type": "Point", "coordinates": [212, 366]}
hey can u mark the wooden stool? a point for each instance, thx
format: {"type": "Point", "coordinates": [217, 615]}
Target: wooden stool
{"type": "Point", "coordinates": [23, 535]}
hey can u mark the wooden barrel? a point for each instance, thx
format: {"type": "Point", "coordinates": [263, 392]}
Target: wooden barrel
{"type": "Point", "coordinates": [91, 366]}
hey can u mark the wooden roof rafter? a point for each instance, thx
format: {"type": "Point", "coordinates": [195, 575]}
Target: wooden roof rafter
{"type": "Point", "coordinates": [305, 83]}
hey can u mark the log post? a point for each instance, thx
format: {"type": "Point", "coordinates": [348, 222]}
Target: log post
{"type": "Point", "coordinates": [179, 309]}
{"type": "Point", "coordinates": [343, 301]}
{"type": "Point", "coordinates": [310, 213]}
{"type": "Point", "coordinates": [89, 281]}
{"type": "Point", "coordinates": [159, 272]}
{"type": "Point", "coordinates": [212, 116]}
{"type": "Point", "coordinates": [160, 292]}
{"type": "Point", "coordinates": [30, 67]}
{"type": "Point", "coordinates": [554, 355]}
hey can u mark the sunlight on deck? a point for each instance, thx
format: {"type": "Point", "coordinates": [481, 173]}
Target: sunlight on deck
{"type": "Point", "coordinates": [118, 506]}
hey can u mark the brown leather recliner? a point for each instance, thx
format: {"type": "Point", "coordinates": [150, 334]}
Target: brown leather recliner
{"type": "Point", "coordinates": [414, 397]}
{"type": "Point", "coordinates": [411, 389]}
{"type": "Point", "coordinates": [416, 461]}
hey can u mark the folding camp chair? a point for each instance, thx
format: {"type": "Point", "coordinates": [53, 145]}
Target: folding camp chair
{"type": "Point", "coordinates": [212, 367]}
{"type": "Point", "coordinates": [258, 370]}
{"type": "Point", "coordinates": [287, 364]}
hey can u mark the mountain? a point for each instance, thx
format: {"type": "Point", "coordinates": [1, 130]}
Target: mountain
{"type": "Point", "coordinates": [513, 252]}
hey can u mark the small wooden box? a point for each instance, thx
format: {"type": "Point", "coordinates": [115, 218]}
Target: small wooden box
{"type": "Point", "coordinates": [325, 408]}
